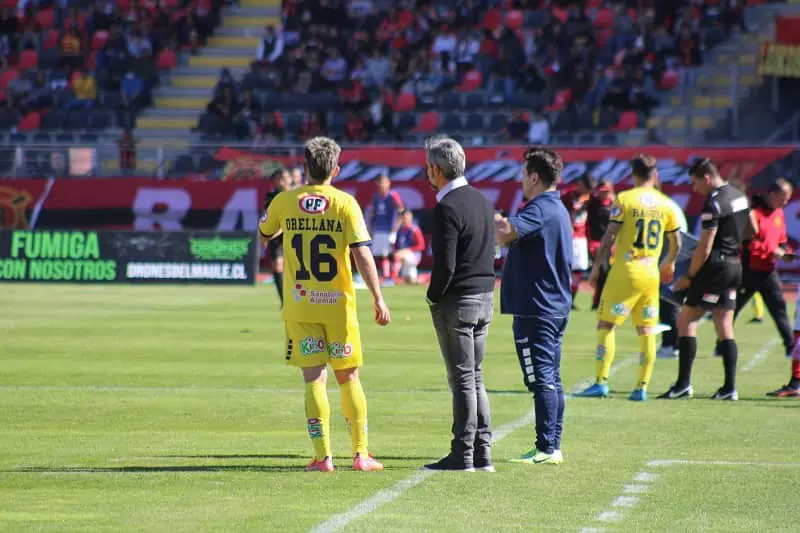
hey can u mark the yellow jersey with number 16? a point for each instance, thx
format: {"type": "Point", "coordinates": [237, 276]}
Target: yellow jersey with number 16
{"type": "Point", "coordinates": [646, 215]}
{"type": "Point", "coordinates": [320, 224]}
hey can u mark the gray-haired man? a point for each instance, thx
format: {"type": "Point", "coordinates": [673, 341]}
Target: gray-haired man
{"type": "Point", "coordinates": [461, 299]}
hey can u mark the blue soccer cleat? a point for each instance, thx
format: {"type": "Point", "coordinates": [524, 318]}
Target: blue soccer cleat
{"type": "Point", "coordinates": [598, 390]}
{"type": "Point", "coordinates": [638, 395]}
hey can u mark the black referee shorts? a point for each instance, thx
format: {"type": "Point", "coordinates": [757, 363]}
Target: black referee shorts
{"type": "Point", "coordinates": [715, 285]}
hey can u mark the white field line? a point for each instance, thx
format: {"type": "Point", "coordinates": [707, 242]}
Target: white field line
{"type": "Point", "coordinates": [761, 464]}
{"type": "Point", "coordinates": [384, 496]}
{"type": "Point", "coordinates": [646, 480]}
{"type": "Point", "coordinates": [188, 390]}
{"type": "Point", "coordinates": [760, 356]}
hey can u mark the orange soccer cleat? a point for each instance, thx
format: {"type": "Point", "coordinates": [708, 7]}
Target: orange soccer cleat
{"type": "Point", "coordinates": [326, 465]}
{"type": "Point", "coordinates": [366, 463]}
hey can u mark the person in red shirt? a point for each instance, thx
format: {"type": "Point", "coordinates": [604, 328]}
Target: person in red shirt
{"type": "Point", "coordinates": [577, 203]}
{"type": "Point", "coordinates": [408, 248]}
{"type": "Point", "coordinates": [598, 214]}
{"type": "Point", "coordinates": [768, 245]}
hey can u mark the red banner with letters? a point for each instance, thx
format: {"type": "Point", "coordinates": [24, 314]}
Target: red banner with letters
{"type": "Point", "coordinates": [781, 57]}
{"type": "Point", "coordinates": [151, 204]}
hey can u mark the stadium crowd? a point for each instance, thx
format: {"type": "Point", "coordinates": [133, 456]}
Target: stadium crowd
{"type": "Point", "coordinates": [62, 59]}
{"type": "Point", "coordinates": [387, 69]}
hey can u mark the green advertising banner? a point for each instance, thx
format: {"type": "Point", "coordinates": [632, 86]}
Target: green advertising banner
{"type": "Point", "coordinates": [128, 257]}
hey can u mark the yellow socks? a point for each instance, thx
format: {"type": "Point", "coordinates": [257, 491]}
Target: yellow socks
{"type": "Point", "coordinates": [354, 408]}
{"type": "Point", "coordinates": [318, 413]}
{"type": "Point", "coordinates": [604, 357]}
{"type": "Point", "coordinates": [758, 306]}
{"type": "Point", "coordinates": [647, 359]}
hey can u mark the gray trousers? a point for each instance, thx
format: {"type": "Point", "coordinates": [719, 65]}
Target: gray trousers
{"type": "Point", "coordinates": [462, 323]}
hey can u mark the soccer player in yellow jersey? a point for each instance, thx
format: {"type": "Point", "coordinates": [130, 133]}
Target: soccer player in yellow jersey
{"type": "Point", "coordinates": [640, 219]}
{"type": "Point", "coordinates": [321, 227]}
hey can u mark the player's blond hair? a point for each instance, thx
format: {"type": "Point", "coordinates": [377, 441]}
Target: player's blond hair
{"type": "Point", "coordinates": [322, 157]}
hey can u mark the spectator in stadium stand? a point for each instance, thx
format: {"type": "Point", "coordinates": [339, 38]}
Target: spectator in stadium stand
{"type": "Point", "coordinates": [768, 245]}
{"type": "Point", "coordinates": [85, 87]}
{"type": "Point", "coordinates": [127, 152]}
{"type": "Point", "coordinates": [517, 128]}
{"type": "Point", "coordinates": [225, 107]}
{"type": "Point", "coordinates": [246, 122]}
{"type": "Point", "coordinates": [71, 49]}
{"type": "Point", "coordinates": [382, 212]}
{"type": "Point", "coordinates": [381, 115]}
{"type": "Point", "coordinates": [133, 97]}
{"type": "Point", "coordinates": [40, 95]}
{"type": "Point", "coordinates": [271, 128]}
{"type": "Point", "coordinates": [355, 127]}
{"type": "Point", "coordinates": [690, 54]}
{"type": "Point", "coordinates": [598, 215]}
{"type": "Point", "coordinates": [539, 130]}
{"type": "Point", "coordinates": [408, 249]}
{"type": "Point", "coordinates": [316, 124]}
{"type": "Point", "coordinates": [733, 15]}
{"type": "Point", "coordinates": [270, 49]}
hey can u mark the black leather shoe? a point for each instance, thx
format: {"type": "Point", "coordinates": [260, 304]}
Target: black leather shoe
{"type": "Point", "coordinates": [450, 464]}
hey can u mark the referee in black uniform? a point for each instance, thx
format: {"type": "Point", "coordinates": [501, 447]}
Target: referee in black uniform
{"type": "Point", "coordinates": [282, 181]}
{"type": "Point", "coordinates": [713, 279]}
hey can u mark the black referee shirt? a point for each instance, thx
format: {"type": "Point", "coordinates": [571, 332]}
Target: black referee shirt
{"type": "Point", "coordinates": [728, 210]}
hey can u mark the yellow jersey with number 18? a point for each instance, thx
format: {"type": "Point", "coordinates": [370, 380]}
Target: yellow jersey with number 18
{"type": "Point", "coordinates": [646, 215]}
{"type": "Point", "coordinates": [320, 224]}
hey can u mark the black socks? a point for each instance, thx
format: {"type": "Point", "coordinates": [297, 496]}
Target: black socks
{"type": "Point", "coordinates": [730, 354]}
{"type": "Point", "coordinates": [687, 347]}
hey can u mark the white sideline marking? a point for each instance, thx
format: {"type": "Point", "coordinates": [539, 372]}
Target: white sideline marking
{"type": "Point", "coordinates": [647, 477]}
{"type": "Point", "coordinates": [384, 496]}
{"type": "Point", "coordinates": [625, 501]}
{"type": "Point", "coordinates": [634, 489]}
{"type": "Point", "coordinates": [609, 516]}
{"type": "Point", "coordinates": [675, 462]}
{"type": "Point", "coordinates": [760, 356]}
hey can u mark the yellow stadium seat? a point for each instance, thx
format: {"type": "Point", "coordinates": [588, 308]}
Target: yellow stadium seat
{"type": "Point", "coordinates": [221, 61]}
{"type": "Point", "coordinates": [194, 82]}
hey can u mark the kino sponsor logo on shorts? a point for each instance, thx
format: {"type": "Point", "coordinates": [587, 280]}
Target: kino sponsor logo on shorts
{"type": "Point", "coordinates": [619, 310]}
{"type": "Point", "coordinates": [312, 346]}
{"type": "Point", "coordinates": [338, 350]}
{"type": "Point", "coordinates": [650, 312]}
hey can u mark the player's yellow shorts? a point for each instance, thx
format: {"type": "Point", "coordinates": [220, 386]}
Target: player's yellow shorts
{"type": "Point", "coordinates": [625, 295]}
{"type": "Point", "coordinates": [310, 344]}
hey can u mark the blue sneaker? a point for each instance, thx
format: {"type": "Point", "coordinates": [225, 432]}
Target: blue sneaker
{"type": "Point", "coordinates": [638, 395]}
{"type": "Point", "coordinates": [598, 390]}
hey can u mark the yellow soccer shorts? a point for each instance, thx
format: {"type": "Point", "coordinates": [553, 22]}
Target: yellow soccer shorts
{"type": "Point", "coordinates": [315, 344]}
{"type": "Point", "coordinates": [625, 295]}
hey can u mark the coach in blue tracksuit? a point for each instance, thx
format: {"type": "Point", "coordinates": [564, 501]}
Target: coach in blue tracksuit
{"type": "Point", "coordinates": [536, 290]}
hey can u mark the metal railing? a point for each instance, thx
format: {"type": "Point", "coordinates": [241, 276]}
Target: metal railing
{"type": "Point", "coordinates": [199, 161]}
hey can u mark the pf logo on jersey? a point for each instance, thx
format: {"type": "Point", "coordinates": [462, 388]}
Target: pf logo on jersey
{"type": "Point", "coordinates": [313, 204]}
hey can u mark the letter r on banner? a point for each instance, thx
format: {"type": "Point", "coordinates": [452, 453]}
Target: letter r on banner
{"type": "Point", "coordinates": [160, 209]}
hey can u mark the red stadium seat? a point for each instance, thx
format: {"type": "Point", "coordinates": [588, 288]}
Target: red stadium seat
{"type": "Point", "coordinates": [406, 102]}
{"type": "Point", "coordinates": [628, 120]}
{"type": "Point", "coordinates": [428, 122]}
{"type": "Point", "coordinates": [473, 81]}
{"type": "Point", "coordinates": [99, 39]}
{"type": "Point", "coordinates": [28, 60]}
{"type": "Point", "coordinates": [7, 77]}
{"type": "Point", "coordinates": [561, 99]}
{"type": "Point", "coordinates": [30, 122]}
{"type": "Point", "coordinates": [46, 18]}
{"type": "Point", "coordinates": [167, 60]}
{"type": "Point", "coordinates": [51, 41]}
{"type": "Point", "coordinates": [561, 14]}
{"type": "Point", "coordinates": [669, 80]}
{"type": "Point", "coordinates": [515, 19]}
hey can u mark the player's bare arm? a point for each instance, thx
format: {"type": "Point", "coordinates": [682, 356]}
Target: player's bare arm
{"type": "Point", "coordinates": [604, 251]}
{"type": "Point", "coordinates": [699, 258]}
{"type": "Point", "coordinates": [668, 266]}
{"type": "Point", "coordinates": [366, 267]}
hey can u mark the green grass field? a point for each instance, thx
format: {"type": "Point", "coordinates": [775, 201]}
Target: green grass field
{"type": "Point", "coordinates": [170, 409]}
